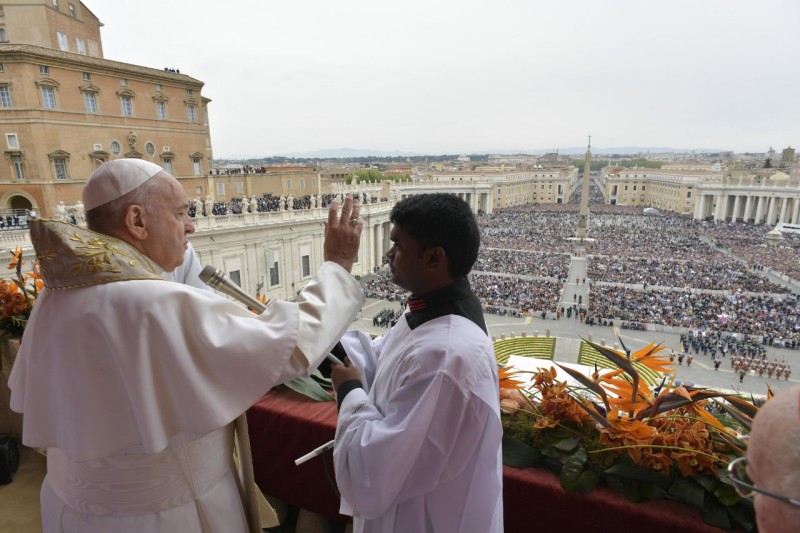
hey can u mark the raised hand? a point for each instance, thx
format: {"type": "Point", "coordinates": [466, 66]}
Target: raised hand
{"type": "Point", "coordinates": [343, 233]}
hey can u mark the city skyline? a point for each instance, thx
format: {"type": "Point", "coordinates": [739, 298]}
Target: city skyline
{"type": "Point", "coordinates": [475, 77]}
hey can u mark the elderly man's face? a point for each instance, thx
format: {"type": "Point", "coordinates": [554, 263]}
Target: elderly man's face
{"type": "Point", "coordinates": [168, 225]}
{"type": "Point", "coordinates": [770, 459]}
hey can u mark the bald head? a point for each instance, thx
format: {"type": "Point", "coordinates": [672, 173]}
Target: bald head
{"type": "Point", "coordinates": [773, 459]}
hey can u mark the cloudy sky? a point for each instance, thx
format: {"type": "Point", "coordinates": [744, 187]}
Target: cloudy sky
{"type": "Point", "coordinates": [475, 76]}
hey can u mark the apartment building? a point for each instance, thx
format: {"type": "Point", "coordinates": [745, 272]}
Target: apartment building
{"type": "Point", "coordinates": [66, 109]}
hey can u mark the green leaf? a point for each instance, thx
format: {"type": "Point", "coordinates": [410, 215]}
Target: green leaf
{"type": "Point", "coordinates": [567, 445]}
{"type": "Point", "coordinates": [717, 515]}
{"type": "Point", "coordinates": [310, 388]}
{"type": "Point", "coordinates": [743, 514]}
{"type": "Point", "coordinates": [586, 482]}
{"type": "Point", "coordinates": [519, 454]}
{"type": "Point", "coordinates": [687, 491]}
{"type": "Point", "coordinates": [709, 483]}
{"type": "Point", "coordinates": [726, 494]}
{"type": "Point", "coordinates": [319, 378]}
{"type": "Point", "coordinates": [572, 470]}
{"type": "Point", "coordinates": [629, 470]}
{"type": "Point", "coordinates": [654, 492]}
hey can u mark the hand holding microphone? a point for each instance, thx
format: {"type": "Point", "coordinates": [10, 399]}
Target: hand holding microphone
{"type": "Point", "coordinates": [216, 279]}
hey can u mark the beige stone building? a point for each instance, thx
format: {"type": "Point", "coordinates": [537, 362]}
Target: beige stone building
{"type": "Point", "coordinates": [66, 109]}
{"type": "Point", "coordinates": [669, 189]}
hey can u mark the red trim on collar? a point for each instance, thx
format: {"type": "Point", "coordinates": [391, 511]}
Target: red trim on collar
{"type": "Point", "coordinates": [416, 304]}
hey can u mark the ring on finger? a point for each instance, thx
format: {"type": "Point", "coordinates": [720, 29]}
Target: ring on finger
{"type": "Point", "coordinates": [354, 222]}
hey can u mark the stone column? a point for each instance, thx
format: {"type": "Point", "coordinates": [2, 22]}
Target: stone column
{"type": "Point", "coordinates": [771, 211]}
{"type": "Point", "coordinates": [759, 210]}
{"type": "Point", "coordinates": [735, 214]}
{"type": "Point", "coordinates": [784, 205]}
{"type": "Point", "coordinates": [748, 205]}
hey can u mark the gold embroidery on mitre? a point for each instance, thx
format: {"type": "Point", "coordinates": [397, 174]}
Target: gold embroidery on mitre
{"type": "Point", "coordinates": [71, 256]}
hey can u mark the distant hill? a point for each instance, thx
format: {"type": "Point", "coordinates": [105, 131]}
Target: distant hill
{"type": "Point", "coordinates": [343, 153]}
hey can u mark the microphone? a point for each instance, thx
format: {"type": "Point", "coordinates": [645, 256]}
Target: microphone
{"type": "Point", "coordinates": [216, 279]}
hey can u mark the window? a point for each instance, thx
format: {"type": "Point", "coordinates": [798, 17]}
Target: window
{"type": "Point", "coordinates": [274, 269]}
{"type": "Point", "coordinates": [161, 109]}
{"type": "Point", "coordinates": [302, 183]}
{"type": "Point", "coordinates": [87, 76]}
{"type": "Point", "coordinates": [81, 45]}
{"type": "Point", "coordinates": [90, 99]}
{"type": "Point", "coordinates": [189, 92]}
{"type": "Point", "coordinates": [150, 149]}
{"type": "Point", "coordinates": [127, 105]}
{"type": "Point", "coordinates": [220, 189]}
{"type": "Point", "coordinates": [55, 4]}
{"type": "Point", "coordinates": [44, 69]}
{"type": "Point", "coordinates": [48, 97]}
{"type": "Point", "coordinates": [168, 164]}
{"type": "Point", "coordinates": [5, 96]}
{"type": "Point", "coordinates": [198, 191]}
{"type": "Point", "coordinates": [3, 38]}
{"type": "Point", "coordinates": [196, 166]}
{"type": "Point", "coordinates": [123, 82]}
{"type": "Point", "coordinates": [236, 277]}
{"type": "Point", "coordinates": [115, 148]}
{"type": "Point", "coordinates": [239, 187]}
{"type": "Point", "coordinates": [72, 10]}
{"type": "Point", "coordinates": [60, 168]}
{"type": "Point", "coordinates": [313, 182]}
{"type": "Point", "coordinates": [158, 87]}
{"type": "Point", "coordinates": [12, 141]}
{"type": "Point", "coordinates": [16, 162]}
{"type": "Point", "coordinates": [62, 41]}
{"type": "Point", "coordinates": [191, 113]}
{"type": "Point", "coordinates": [288, 185]}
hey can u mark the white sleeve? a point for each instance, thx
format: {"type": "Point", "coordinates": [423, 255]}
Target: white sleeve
{"type": "Point", "coordinates": [430, 423]}
{"type": "Point", "coordinates": [363, 352]}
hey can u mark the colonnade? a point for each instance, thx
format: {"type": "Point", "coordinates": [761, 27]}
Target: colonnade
{"type": "Point", "coordinates": [767, 209]}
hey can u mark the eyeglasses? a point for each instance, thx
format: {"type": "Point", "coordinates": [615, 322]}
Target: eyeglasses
{"type": "Point", "coordinates": [737, 472]}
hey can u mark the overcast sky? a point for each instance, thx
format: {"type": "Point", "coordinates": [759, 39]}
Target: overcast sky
{"type": "Point", "coordinates": [469, 76]}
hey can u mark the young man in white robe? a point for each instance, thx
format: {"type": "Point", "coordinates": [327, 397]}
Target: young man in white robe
{"type": "Point", "coordinates": [418, 441]}
{"type": "Point", "coordinates": [132, 382]}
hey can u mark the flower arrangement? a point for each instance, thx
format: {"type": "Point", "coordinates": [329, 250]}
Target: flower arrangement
{"type": "Point", "coordinates": [18, 295]}
{"type": "Point", "coordinates": [669, 442]}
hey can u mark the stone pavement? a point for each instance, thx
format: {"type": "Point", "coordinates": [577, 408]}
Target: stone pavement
{"type": "Point", "coordinates": [570, 331]}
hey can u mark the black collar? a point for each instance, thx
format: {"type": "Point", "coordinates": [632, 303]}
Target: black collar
{"type": "Point", "coordinates": [456, 299]}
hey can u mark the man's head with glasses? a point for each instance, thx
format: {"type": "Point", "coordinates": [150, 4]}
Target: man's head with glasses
{"type": "Point", "coordinates": [770, 473]}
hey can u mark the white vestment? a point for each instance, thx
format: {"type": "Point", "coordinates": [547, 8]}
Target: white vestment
{"type": "Point", "coordinates": [132, 386]}
{"type": "Point", "coordinates": [419, 449]}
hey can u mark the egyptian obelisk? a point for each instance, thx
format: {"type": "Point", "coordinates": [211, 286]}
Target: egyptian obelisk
{"type": "Point", "coordinates": [583, 218]}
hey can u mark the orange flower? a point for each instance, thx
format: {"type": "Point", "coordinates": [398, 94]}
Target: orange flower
{"type": "Point", "coordinates": [16, 259]}
{"type": "Point", "coordinates": [506, 375]}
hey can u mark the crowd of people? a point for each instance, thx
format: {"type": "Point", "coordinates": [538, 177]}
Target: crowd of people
{"type": "Point", "coordinates": [747, 313]}
{"type": "Point", "coordinates": [704, 270]}
{"type": "Point", "coordinates": [386, 318]}
{"type": "Point", "coordinates": [266, 203]}
{"type": "Point", "coordinates": [523, 263]}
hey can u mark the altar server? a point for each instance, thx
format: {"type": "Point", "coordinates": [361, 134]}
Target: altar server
{"type": "Point", "coordinates": [131, 382]}
{"type": "Point", "coordinates": [418, 442]}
